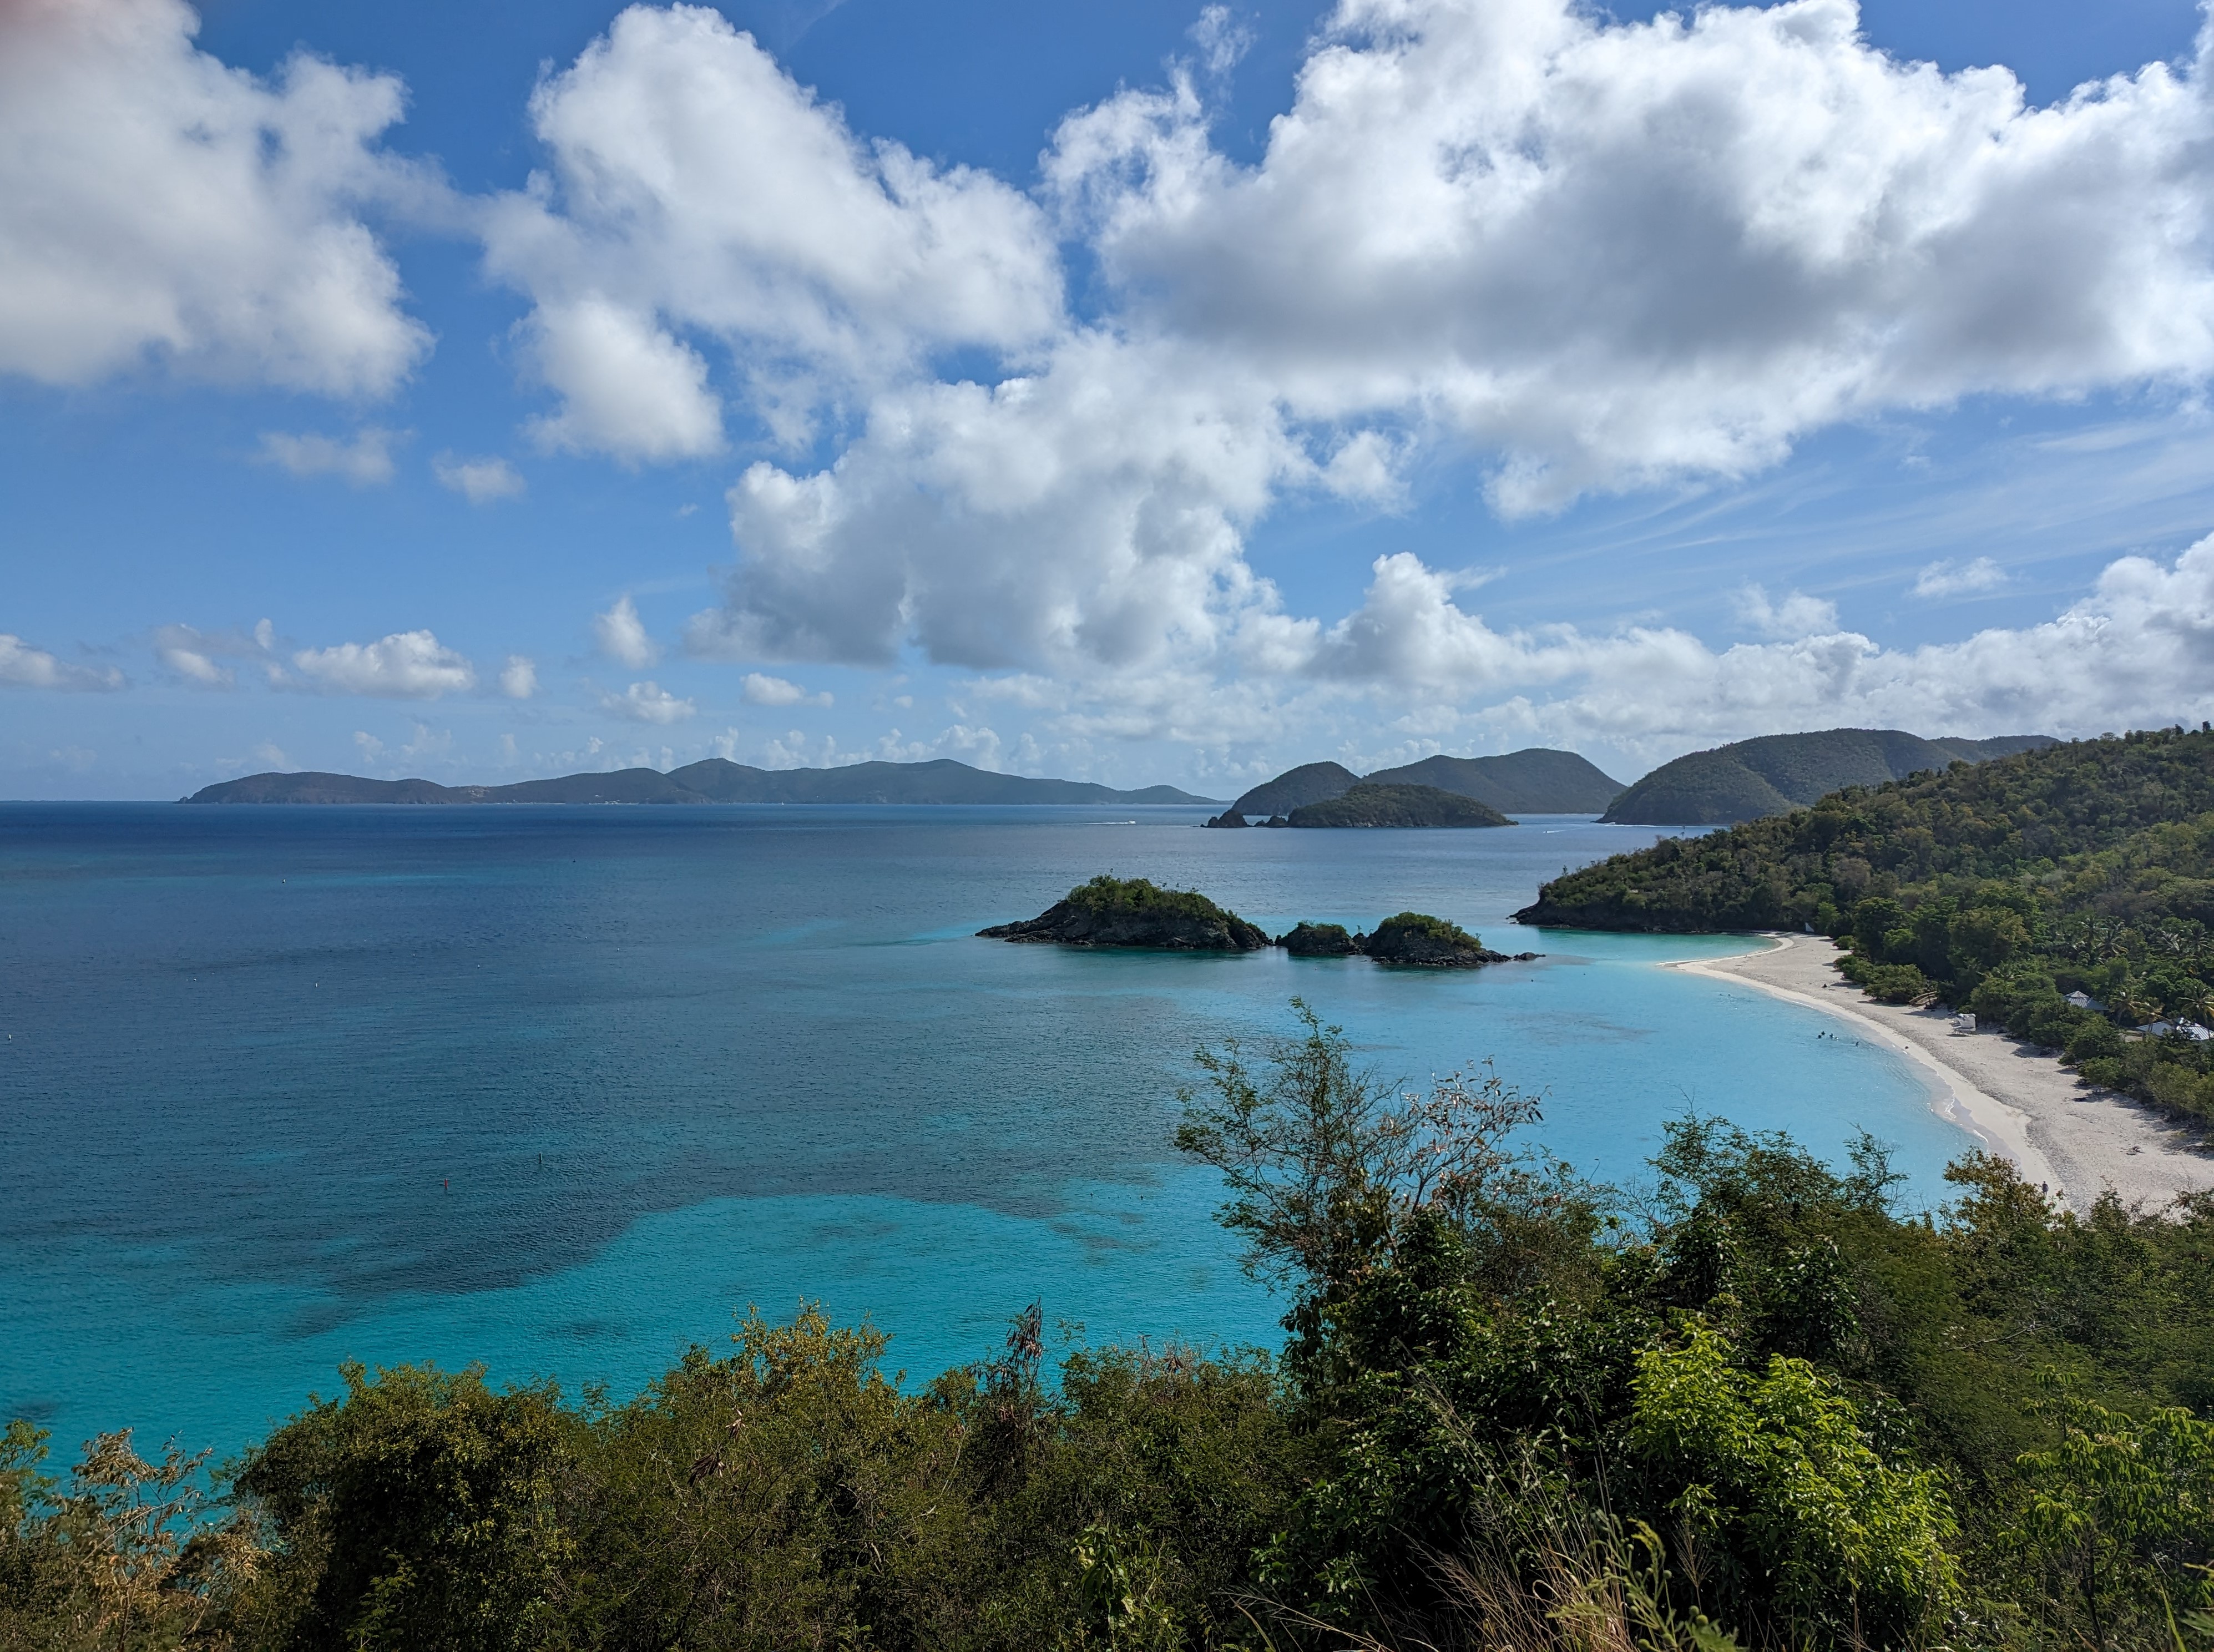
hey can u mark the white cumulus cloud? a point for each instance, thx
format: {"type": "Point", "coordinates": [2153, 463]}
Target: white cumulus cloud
{"type": "Point", "coordinates": [364, 461]}
{"type": "Point", "coordinates": [157, 205]}
{"type": "Point", "coordinates": [406, 665]}
{"type": "Point", "coordinates": [1619, 253]}
{"type": "Point", "coordinates": [697, 188]}
{"type": "Point", "coordinates": [22, 666]}
{"type": "Point", "coordinates": [648, 702]}
{"type": "Point", "coordinates": [621, 635]}
{"type": "Point", "coordinates": [479, 481]}
{"type": "Point", "coordinates": [518, 678]}
{"type": "Point", "coordinates": [762, 689]}
{"type": "Point", "coordinates": [629, 387]}
{"type": "Point", "coordinates": [1963, 579]}
{"type": "Point", "coordinates": [1090, 514]}
{"type": "Point", "coordinates": [2138, 651]}
{"type": "Point", "coordinates": [1797, 615]}
{"type": "Point", "coordinates": [1595, 256]}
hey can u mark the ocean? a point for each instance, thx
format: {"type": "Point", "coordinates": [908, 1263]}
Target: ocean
{"type": "Point", "coordinates": [565, 1090]}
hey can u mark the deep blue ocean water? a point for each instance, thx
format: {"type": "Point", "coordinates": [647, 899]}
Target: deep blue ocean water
{"type": "Point", "coordinates": [562, 1089]}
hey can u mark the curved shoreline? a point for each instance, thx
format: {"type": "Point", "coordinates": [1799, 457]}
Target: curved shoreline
{"type": "Point", "coordinates": [2020, 1103]}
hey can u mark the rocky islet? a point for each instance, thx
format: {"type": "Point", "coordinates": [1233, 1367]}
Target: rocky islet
{"type": "Point", "coordinates": [1136, 913]}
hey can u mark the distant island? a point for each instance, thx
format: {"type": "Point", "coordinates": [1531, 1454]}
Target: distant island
{"type": "Point", "coordinates": [1750, 779]}
{"type": "Point", "coordinates": [1777, 773]}
{"type": "Point", "coordinates": [1537, 781]}
{"type": "Point", "coordinates": [713, 780]}
{"type": "Point", "coordinates": [1137, 913]}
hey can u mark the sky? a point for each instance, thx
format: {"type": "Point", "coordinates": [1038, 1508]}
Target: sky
{"type": "Point", "coordinates": [1154, 393]}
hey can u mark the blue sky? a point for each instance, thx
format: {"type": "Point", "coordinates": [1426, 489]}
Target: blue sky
{"type": "Point", "coordinates": [806, 382]}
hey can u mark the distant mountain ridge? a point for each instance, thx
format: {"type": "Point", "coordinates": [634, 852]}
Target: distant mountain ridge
{"type": "Point", "coordinates": [1775, 773]}
{"type": "Point", "coordinates": [1295, 788]}
{"type": "Point", "coordinates": [1370, 804]}
{"type": "Point", "coordinates": [1536, 781]}
{"type": "Point", "coordinates": [714, 779]}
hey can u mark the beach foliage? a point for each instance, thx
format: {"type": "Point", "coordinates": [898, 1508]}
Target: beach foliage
{"type": "Point", "coordinates": [2064, 894]}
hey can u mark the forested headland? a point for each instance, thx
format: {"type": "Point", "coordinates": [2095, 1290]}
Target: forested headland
{"type": "Point", "coordinates": [1755, 1404]}
{"type": "Point", "coordinates": [2064, 894]}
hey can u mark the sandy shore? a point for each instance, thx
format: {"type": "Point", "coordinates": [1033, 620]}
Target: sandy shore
{"type": "Point", "coordinates": [2078, 1141]}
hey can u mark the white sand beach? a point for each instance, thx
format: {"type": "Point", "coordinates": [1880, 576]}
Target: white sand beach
{"type": "Point", "coordinates": [2017, 1101]}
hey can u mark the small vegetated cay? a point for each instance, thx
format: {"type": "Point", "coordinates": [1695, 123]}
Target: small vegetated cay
{"type": "Point", "coordinates": [1112, 911]}
{"type": "Point", "coordinates": [1398, 805]}
{"type": "Point", "coordinates": [2067, 893]}
{"type": "Point", "coordinates": [1136, 912]}
{"type": "Point", "coordinates": [1418, 938]}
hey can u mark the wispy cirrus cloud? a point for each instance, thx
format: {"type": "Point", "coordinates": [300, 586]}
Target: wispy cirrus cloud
{"type": "Point", "coordinates": [210, 659]}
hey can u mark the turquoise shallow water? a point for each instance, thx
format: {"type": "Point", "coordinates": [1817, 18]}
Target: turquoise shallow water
{"type": "Point", "coordinates": [560, 1090]}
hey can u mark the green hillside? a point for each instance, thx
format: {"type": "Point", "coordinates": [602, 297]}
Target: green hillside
{"type": "Point", "coordinates": [1776, 773]}
{"type": "Point", "coordinates": [1295, 788]}
{"type": "Point", "coordinates": [2084, 868]}
{"type": "Point", "coordinates": [1370, 805]}
{"type": "Point", "coordinates": [1537, 781]}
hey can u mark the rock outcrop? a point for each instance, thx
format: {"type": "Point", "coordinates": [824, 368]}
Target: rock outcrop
{"type": "Point", "coordinates": [1319, 940]}
{"type": "Point", "coordinates": [1133, 912]}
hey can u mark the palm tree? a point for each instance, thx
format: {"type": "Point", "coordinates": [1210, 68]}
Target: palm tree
{"type": "Point", "coordinates": [2132, 1002]}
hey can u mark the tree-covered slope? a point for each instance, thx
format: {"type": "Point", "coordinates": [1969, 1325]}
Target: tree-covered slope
{"type": "Point", "coordinates": [2086, 868]}
{"type": "Point", "coordinates": [1295, 788]}
{"type": "Point", "coordinates": [1776, 773]}
{"type": "Point", "coordinates": [1534, 781]}
{"type": "Point", "coordinates": [1537, 781]}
